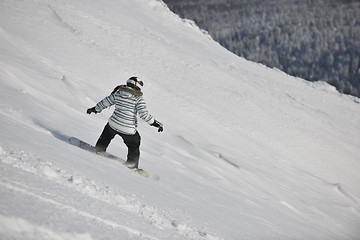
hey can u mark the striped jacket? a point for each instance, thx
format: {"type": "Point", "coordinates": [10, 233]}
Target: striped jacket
{"type": "Point", "coordinates": [128, 103]}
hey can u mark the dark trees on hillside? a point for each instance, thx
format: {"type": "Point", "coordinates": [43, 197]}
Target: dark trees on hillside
{"type": "Point", "coordinates": [312, 39]}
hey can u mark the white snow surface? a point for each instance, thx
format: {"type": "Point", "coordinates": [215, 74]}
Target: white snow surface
{"type": "Point", "coordinates": [247, 152]}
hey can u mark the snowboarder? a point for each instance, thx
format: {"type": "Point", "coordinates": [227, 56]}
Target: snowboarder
{"type": "Point", "coordinates": [128, 103]}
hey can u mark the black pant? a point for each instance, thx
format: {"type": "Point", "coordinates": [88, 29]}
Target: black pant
{"type": "Point", "coordinates": [131, 141]}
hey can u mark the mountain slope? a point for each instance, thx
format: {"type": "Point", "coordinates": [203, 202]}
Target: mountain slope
{"type": "Point", "coordinates": [315, 40]}
{"type": "Point", "coordinates": [247, 151]}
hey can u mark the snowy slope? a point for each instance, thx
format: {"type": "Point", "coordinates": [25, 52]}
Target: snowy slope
{"type": "Point", "coordinates": [248, 152]}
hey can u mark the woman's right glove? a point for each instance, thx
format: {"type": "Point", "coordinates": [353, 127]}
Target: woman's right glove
{"type": "Point", "coordinates": [158, 125]}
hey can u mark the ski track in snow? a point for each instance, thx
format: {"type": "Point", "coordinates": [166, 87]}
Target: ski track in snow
{"type": "Point", "coordinates": [19, 228]}
{"type": "Point", "coordinates": [25, 190]}
{"type": "Point", "coordinates": [48, 171]}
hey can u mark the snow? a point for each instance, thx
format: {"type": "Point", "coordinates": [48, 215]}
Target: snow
{"type": "Point", "coordinates": [247, 152]}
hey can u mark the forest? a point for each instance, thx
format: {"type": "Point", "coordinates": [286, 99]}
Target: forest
{"type": "Point", "coordinates": [318, 40]}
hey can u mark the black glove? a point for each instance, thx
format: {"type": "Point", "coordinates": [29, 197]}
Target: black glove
{"type": "Point", "coordinates": [91, 110]}
{"type": "Point", "coordinates": [158, 125]}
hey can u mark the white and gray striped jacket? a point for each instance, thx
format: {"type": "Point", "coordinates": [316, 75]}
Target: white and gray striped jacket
{"type": "Point", "coordinates": [128, 103]}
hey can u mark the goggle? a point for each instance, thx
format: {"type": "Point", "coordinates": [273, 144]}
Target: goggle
{"type": "Point", "coordinates": [137, 81]}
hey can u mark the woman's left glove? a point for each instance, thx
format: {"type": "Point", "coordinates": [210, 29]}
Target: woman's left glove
{"type": "Point", "coordinates": [91, 110]}
{"type": "Point", "coordinates": [158, 125]}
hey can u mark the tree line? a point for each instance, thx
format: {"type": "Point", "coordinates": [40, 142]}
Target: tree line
{"type": "Point", "coordinates": [311, 39]}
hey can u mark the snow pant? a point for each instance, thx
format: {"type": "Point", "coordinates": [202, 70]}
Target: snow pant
{"type": "Point", "coordinates": [131, 141]}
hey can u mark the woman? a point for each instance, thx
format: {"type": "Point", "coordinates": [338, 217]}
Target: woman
{"type": "Point", "coordinates": [128, 103]}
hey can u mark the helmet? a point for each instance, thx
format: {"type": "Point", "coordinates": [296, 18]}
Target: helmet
{"type": "Point", "coordinates": [134, 82]}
